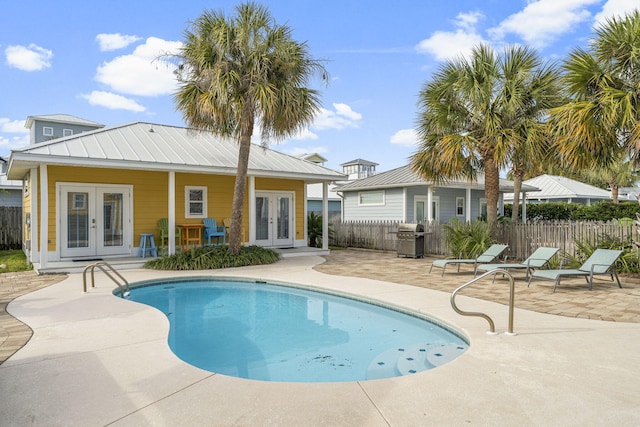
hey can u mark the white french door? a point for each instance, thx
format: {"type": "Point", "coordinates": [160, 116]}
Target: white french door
{"type": "Point", "coordinates": [94, 220]}
{"type": "Point", "coordinates": [420, 209]}
{"type": "Point", "coordinates": [274, 218]}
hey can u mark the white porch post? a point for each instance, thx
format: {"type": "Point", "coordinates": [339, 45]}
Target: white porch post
{"type": "Point", "coordinates": [524, 207]}
{"type": "Point", "coordinates": [430, 204]}
{"type": "Point", "coordinates": [252, 210]}
{"type": "Point", "coordinates": [44, 216]}
{"type": "Point", "coordinates": [467, 205]}
{"type": "Point", "coordinates": [171, 215]}
{"type": "Point", "coordinates": [33, 194]}
{"type": "Point", "coordinates": [325, 215]}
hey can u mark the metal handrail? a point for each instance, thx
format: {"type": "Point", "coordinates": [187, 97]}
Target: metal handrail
{"type": "Point", "coordinates": [492, 328]}
{"type": "Point", "coordinates": [101, 265]}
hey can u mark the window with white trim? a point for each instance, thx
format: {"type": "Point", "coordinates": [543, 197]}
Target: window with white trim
{"type": "Point", "coordinates": [67, 132]}
{"type": "Point", "coordinates": [47, 131]}
{"type": "Point", "coordinates": [195, 202]}
{"type": "Point", "coordinates": [371, 198]}
{"type": "Point", "coordinates": [483, 208]}
{"type": "Point", "coordinates": [459, 206]}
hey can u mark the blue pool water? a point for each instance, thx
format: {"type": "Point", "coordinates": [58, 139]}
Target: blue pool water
{"type": "Point", "coordinates": [271, 332]}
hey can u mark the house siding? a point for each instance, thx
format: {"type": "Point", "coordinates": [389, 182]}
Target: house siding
{"type": "Point", "coordinates": [37, 136]}
{"type": "Point", "coordinates": [392, 210]}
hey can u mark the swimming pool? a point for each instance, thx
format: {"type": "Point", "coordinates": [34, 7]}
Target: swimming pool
{"type": "Point", "coordinates": [277, 332]}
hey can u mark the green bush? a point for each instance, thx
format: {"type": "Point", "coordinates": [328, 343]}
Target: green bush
{"type": "Point", "coordinates": [562, 211]}
{"type": "Point", "coordinates": [214, 257]}
{"type": "Point", "coordinates": [468, 240]}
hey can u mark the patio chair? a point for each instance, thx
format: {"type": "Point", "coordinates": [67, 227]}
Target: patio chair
{"type": "Point", "coordinates": [213, 230]}
{"type": "Point", "coordinates": [163, 234]}
{"type": "Point", "coordinates": [601, 261]}
{"type": "Point", "coordinates": [487, 256]}
{"type": "Point", "coordinates": [538, 259]}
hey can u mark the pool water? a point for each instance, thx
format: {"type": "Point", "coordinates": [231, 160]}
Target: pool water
{"type": "Point", "coordinates": [271, 332]}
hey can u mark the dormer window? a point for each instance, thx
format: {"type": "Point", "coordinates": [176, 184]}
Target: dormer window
{"type": "Point", "coordinates": [47, 131]}
{"type": "Point", "coordinates": [67, 132]}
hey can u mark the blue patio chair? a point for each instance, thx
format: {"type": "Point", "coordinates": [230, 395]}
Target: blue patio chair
{"type": "Point", "coordinates": [600, 262]}
{"type": "Point", "coordinates": [213, 230]}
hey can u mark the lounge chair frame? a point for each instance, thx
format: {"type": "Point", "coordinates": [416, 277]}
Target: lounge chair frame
{"type": "Point", "coordinates": [487, 256]}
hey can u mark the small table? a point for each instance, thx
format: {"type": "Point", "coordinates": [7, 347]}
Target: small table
{"type": "Point", "coordinates": [191, 234]}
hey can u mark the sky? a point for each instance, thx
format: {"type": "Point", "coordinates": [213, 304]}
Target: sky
{"type": "Point", "coordinates": [102, 60]}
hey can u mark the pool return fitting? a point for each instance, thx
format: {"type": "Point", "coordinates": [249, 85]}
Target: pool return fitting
{"type": "Point", "coordinates": [103, 265]}
{"type": "Point", "coordinates": [492, 328]}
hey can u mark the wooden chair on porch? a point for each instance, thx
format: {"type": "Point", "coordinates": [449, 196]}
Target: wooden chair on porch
{"type": "Point", "coordinates": [163, 234]}
{"type": "Point", "coordinates": [227, 226]}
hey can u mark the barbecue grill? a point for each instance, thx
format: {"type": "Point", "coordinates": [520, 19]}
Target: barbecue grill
{"type": "Point", "coordinates": [410, 241]}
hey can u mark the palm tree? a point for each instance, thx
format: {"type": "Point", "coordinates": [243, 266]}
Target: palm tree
{"type": "Point", "coordinates": [604, 85]}
{"type": "Point", "coordinates": [479, 114]}
{"type": "Point", "coordinates": [621, 172]}
{"type": "Point", "coordinates": [240, 71]}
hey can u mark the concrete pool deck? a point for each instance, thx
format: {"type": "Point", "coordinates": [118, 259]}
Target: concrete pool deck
{"type": "Point", "coordinates": [99, 360]}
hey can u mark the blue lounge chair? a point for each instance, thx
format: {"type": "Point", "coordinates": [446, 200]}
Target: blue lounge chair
{"type": "Point", "coordinates": [213, 230]}
{"type": "Point", "coordinates": [538, 259]}
{"type": "Point", "coordinates": [600, 262]}
{"type": "Point", "coordinates": [487, 256]}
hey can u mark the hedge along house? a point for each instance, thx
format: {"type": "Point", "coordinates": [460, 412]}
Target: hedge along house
{"type": "Point", "coordinates": [401, 195]}
{"type": "Point", "coordinates": [90, 195]}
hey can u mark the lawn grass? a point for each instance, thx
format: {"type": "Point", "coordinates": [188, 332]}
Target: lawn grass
{"type": "Point", "coordinates": [13, 260]}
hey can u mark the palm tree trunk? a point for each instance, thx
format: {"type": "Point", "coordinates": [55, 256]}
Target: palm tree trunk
{"type": "Point", "coordinates": [491, 189]}
{"type": "Point", "coordinates": [614, 194]}
{"type": "Point", "coordinates": [517, 187]}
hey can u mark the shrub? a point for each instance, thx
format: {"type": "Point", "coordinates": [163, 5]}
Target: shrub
{"type": "Point", "coordinates": [562, 211]}
{"type": "Point", "coordinates": [468, 240]}
{"type": "Point", "coordinates": [214, 257]}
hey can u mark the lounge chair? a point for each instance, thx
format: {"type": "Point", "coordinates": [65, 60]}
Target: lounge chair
{"type": "Point", "coordinates": [538, 259]}
{"type": "Point", "coordinates": [600, 262]}
{"type": "Point", "coordinates": [487, 256]}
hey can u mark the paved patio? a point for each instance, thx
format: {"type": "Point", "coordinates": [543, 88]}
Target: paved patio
{"type": "Point", "coordinates": [99, 360]}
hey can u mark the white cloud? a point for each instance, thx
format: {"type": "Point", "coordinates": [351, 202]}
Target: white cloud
{"type": "Point", "coordinates": [405, 137]}
{"type": "Point", "coordinates": [615, 8]}
{"type": "Point", "coordinates": [304, 135]}
{"type": "Point", "coordinates": [142, 72]}
{"type": "Point", "coordinates": [115, 41]}
{"type": "Point", "coordinates": [12, 126]}
{"type": "Point", "coordinates": [343, 117]}
{"type": "Point", "coordinates": [12, 143]}
{"type": "Point", "coordinates": [543, 21]}
{"type": "Point", "coordinates": [445, 45]}
{"type": "Point", "coordinates": [28, 58]}
{"type": "Point", "coordinates": [113, 101]}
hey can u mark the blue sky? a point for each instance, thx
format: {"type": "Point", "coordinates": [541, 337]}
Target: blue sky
{"type": "Point", "coordinates": [95, 60]}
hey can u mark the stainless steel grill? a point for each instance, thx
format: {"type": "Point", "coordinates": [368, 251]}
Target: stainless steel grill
{"type": "Point", "coordinates": [410, 241]}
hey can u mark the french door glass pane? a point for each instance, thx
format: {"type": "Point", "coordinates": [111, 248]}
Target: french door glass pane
{"type": "Point", "coordinates": [113, 223]}
{"type": "Point", "coordinates": [77, 220]}
{"type": "Point", "coordinates": [283, 218]}
{"type": "Point", "coordinates": [262, 218]}
{"type": "Point", "coordinates": [420, 213]}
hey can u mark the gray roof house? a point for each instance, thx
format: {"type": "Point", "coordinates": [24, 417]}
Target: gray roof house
{"type": "Point", "coordinates": [401, 195]}
{"type": "Point", "coordinates": [10, 190]}
{"type": "Point", "coordinates": [562, 189]}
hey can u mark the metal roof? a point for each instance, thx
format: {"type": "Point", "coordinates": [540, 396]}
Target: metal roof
{"type": "Point", "coordinates": [560, 187]}
{"type": "Point", "coordinates": [405, 177]}
{"type": "Point", "coordinates": [62, 118]}
{"type": "Point", "coordinates": [359, 162]}
{"type": "Point", "coordinates": [160, 147]}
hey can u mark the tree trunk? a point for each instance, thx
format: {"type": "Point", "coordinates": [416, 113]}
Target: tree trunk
{"type": "Point", "coordinates": [518, 174]}
{"type": "Point", "coordinates": [239, 190]}
{"type": "Point", "coordinates": [614, 194]}
{"type": "Point", "coordinates": [491, 189]}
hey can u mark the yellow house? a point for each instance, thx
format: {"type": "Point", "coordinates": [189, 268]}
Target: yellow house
{"type": "Point", "coordinates": [90, 195]}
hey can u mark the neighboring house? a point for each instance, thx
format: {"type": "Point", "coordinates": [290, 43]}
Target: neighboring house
{"type": "Point", "coordinates": [561, 189]}
{"type": "Point", "coordinates": [401, 195]}
{"type": "Point", "coordinates": [52, 126]}
{"type": "Point", "coordinates": [91, 194]}
{"type": "Point", "coordinates": [354, 170]}
{"type": "Point", "coordinates": [10, 190]}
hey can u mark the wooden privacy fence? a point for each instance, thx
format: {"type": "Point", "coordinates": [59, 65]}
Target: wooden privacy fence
{"type": "Point", "coordinates": [522, 239]}
{"type": "Point", "coordinates": [10, 227]}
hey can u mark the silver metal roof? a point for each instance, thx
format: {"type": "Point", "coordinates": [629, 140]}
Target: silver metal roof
{"type": "Point", "coordinates": [405, 177]}
{"type": "Point", "coordinates": [560, 187]}
{"type": "Point", "coordinates": [62, 118]}
{"type": "Point", "coordinates": [160, 147]}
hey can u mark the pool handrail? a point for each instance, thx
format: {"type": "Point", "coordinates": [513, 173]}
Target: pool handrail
{"type": "Point", "coordinates": [492, 329]}
{"type": "Point", "coordinates": [101, 265]}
